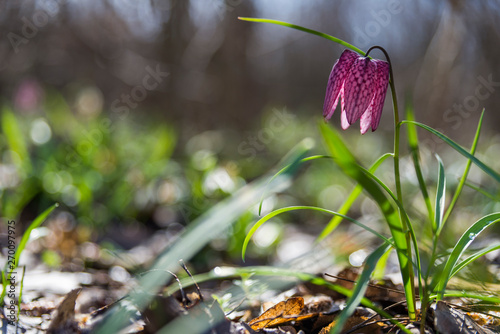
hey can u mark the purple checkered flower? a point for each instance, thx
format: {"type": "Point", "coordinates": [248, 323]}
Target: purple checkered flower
{"type": "Point", "coordinates": [361, 83]}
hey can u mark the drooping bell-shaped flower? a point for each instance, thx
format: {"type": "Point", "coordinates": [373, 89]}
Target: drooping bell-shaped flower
{"type": "Point", "coordinates": [361, 83]}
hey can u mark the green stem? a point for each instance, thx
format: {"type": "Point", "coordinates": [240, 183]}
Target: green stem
{"type": "Point", "coordinates": [410, 283]}
{"type": "Point", "coordinates": [399, 194]}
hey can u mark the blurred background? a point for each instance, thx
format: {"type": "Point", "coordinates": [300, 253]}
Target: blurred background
{"type": "Point", "coordinates": [137, 116]}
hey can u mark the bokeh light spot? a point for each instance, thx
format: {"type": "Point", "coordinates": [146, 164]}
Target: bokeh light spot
{"type": "Point", "coordinates": [40, 132]}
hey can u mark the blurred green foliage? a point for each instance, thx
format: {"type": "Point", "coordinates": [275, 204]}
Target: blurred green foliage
{"type": "Point", "coordinates": [107, 169]}
{"type": "Point", "coordinates": [115, 169]}
{"type": "Point", "coordinates": [98, 167]}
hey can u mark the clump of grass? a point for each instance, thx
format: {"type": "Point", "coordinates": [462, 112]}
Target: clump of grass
{"type": "Point", "coordinates": [13, 256]}
{"type": "Point", "coordinates": [433, 280]}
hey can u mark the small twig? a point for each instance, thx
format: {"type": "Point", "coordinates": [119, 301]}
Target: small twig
{"type": "Point", "coordinates": [181, 262]}
{"type": "Point", "coordinates": [234, 309]}
{"type": "Point", "coordinates": [366, 322]}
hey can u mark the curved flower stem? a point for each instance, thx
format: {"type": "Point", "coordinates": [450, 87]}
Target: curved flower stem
{"type": "Point", "coordinates": [307, 30]}
{"type": "Point", "coordinates": [410, 285]}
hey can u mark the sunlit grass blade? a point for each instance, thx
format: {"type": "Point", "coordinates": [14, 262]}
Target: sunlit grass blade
{"type": "Point", "coordinates": [16, 141]}
{"type": "Point", "coordinates": [36, 223]}
{"type": "Point", "coordinates": [460, 248]}
{"type": "Point", "coordinates": [473, 258]}
{"type": "Point", "coordinates": [360, 287]}
{"type": "Point", "coordinates": [307, 30]}
{"type": "Point", "coordinates": [463, 179]}
{"type": "Point", "coordinates": [379, 272]}
{"type": "Point", "coordinates": [472, 295]}
{"type": "Point", "coordinates": [21, 288]}
{"type": "Point", "coordinates": [440, 198]}
{"type": "Point", "coordinates": [286, 169]}
{"type": "Point", "coordinates": [408, 223]}
{"type": "Point", "coordinates": [348, 164]}
{"type": "Point", "coordinates": [335, 221]}
{"type": "Point", "coordinates": [263, 271]}
{"type": "Point", "coordinates": [414, 150]}
{"type": "Point", "coordinates": [270, 215]}
{"type": "Point", "coordinates": [201, 231]}
{"type": "Point", "coordinates": [6, 274]}
{"type": "Point", "coordinates": [459, 149]}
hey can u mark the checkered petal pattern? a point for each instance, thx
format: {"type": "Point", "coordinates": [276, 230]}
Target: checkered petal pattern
{"type": "Point", "coordinates": [361, 84]}
{"type": "Point", "coordinates": [336, 81]}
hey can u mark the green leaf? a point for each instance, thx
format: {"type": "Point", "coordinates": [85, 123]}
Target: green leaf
{"type": "Point", "coordinates": [286, 169]}
{"type": "Point", "coordinates": [361, 286]}
{"type": "Point", "coordinates": [379, 272]}
{"type": "Point", "coordinates": [15, 138]}
{"type": "Point", "coordinates": [348, 164]}
{"type": "Point", "coordinates": [274, 213]}
{"type": "Point", "coordinates": [404, 215]}
{"type": "Point", "coordinates": [458, 148]}
{"type": "Point", "coordinates": [335, 221]}
{"type": "Point", "coordinates": [22, 244]}
{"type": "Point", "coordinates": [471, 295]}
{"type": "Point", "coordinates": [481, 191]}
{"type": "Point", "coordinates": [307, 30]}
{"type": "Point", "coordinates": [474, 257]}
{"type": "Point", "coordinates": [413, 143]}
{"type": "Point", "coordinates": [440, 198]}
{"type": "Point", "coordinates": [36, 223]}
{"type": "Point", "coordinates": [463, 179]}
{"type": "Point", "coordinates": [460, 247]}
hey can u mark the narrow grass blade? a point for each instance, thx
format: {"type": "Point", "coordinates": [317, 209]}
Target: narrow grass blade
{"type": "Point", "coordinates": [199, 233]}
{"type": "Point", "coordinates": [440, 198]}
{"type": "Point", "coordinates": [361, 286]}
{"type": "Point", "coordinates": [21, 288]}
{"type": "Point", "coordinates": [481, 191]}
{"type": "Point", "coordinates": [459, 149]}
{"type": "Point", "coordinates": [472, 295]}
{"type": "Point", "coordinates": [20, 248]}
{"type": "Point", "coordinates": [286, 169]}
{"type": "Point", "coordinates": [460, 248]}
{"type": "Point", "coordinates": [346, 161]}
{"type": "Point", "coordinates": [309, 31]}
{"type": "Point", "coordinates": [270, 215]}
{"type": "Point", "coordinates": [413, 143]}
{"type": "Point", "coordinates": [466, 171]}
{"type": "Point", "coordinates": [36, 223]}
{"type": "Point", "coordinates": [379, 272]}
{"type": "Point", "coordinates": [335, 221]}
{"type": "Point", "coordinates": [13, 134]}
{"type": "Point", "coordinates": [474, 257]}
{"type": "Point", "coordinates": [405, 216]}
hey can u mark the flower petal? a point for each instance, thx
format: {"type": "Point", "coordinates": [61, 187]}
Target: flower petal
{"type": "Point", "coordinates": [337, 78]}
{"type": "Point", "coordinates": [380, 84]}
{"type": "Point", "coordinates": [358, 88]}
{"type": "Point", "coordinates": [343, 118]}
{"type": "Point", "coordinates": [366, 121]}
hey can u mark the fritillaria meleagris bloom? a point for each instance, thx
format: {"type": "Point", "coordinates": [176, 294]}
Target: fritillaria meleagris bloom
{"type": "Point", "coordinates": [361, 83]}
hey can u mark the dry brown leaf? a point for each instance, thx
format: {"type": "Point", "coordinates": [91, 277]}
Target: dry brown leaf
{"type": "Point", "coordinates": [64, 321]}
{"type": "Point", "coordinates": [280, 313]}
{"type": "Point", "coordinates": [449, 320]}
{"type": "Point", "coordinates": [359, 316]}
